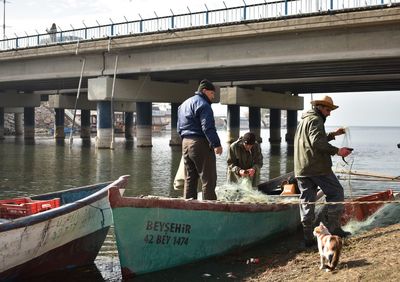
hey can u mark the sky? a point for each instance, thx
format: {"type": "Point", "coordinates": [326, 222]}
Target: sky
{"type": "Point", "coordinates": [31, 16]}
{"type": "Point", "coordinates": [362, 108]}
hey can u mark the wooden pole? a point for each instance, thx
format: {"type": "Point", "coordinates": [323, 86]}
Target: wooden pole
{"type": "Point", "coordinates": [368, 174]}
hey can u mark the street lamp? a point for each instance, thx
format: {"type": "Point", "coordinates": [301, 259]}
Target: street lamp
{"type": "Point", "coordinates": [4, 19]}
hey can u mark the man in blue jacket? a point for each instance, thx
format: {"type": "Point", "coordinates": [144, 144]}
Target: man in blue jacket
{"type": "Point", "coordinates": [200, 142]}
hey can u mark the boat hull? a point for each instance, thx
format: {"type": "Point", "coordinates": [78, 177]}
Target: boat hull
{"type": "Point", "coordinates": [363, 207]}
{"type": "Point", "coordinates": [61, 238]}
{"type": "Point", "coordinates": [154, 234]}
{"type": "Point", "coordinates": [61, 258]}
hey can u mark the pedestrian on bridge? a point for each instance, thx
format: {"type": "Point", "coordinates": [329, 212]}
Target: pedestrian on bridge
{"type": "Point", "coordinates": [313, 168]}
{"type": "Point", "coordinates": [52, 32]}
{"type": "Point", "coordinates": [200, 141]}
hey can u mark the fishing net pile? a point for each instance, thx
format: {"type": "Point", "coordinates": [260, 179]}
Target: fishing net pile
{"type": "Point", "coordinates": [244, 192]}
{"type": "Point", "coordinates": [387, 215]}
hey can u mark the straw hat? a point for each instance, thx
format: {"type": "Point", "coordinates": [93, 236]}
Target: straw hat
{"type": "Point", "coordinates": [325, 101]}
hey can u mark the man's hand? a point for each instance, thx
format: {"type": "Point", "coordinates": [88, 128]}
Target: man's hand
{"type": "Point", "coordinates": [339, 131]}
{"type": "Point", "coordinates": [251, 171]}
{"type": "Point", "coordinates": [218, 151]}
{"type": "Point", "coordinates": [344, 151]}
{"type": "Point", "coordinates": [247, 172]}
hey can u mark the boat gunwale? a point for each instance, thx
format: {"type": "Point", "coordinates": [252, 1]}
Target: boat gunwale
{"type": "Point", "coordinates": [117, 201]}
{"type": "Point", "coordinates": [62, 210]}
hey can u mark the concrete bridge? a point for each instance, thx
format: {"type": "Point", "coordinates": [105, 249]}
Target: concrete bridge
{"type": "Point", "coordinates": [259, 64]}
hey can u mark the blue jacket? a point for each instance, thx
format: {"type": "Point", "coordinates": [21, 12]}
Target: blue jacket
{"type": "Point", "coordinates": [196, 119]}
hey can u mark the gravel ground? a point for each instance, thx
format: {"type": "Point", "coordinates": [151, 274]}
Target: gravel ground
{"type": "Point", "coordinates": [371, 256]}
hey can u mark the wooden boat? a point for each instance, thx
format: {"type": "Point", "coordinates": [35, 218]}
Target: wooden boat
{"type": "Point", "coordinates": [60, 238]}
{"type": "Point", "coordinates": [274, 185]}
{"type": "Point", "coordinates": [155, 233]}
{"type": "Point", "coordinates": [366, 206]}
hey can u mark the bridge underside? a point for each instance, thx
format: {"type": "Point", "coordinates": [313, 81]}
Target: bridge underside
{"type": "Point", "coordinates": [349, 76]}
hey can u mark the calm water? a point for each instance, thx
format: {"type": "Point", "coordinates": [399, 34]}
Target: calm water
{"type": "Point", "coordinates": [44, 166]}
{"type": "Point", "coordinates": [29, 169]}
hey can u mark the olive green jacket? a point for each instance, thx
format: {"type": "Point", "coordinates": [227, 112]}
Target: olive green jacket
{"type": "Point", "coordinates": [239, 158]}
{"type": "Point", "coordinates": [312, 151]}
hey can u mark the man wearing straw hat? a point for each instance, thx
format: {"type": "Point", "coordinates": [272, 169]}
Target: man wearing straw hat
{"type": "Point", "coordinates": [313, 167]}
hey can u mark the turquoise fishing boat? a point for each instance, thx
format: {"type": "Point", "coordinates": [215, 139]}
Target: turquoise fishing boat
{"type": "Point", "coordinates": [155, 233]}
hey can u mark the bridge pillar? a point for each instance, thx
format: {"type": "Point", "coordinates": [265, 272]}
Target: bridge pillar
{"type": "Point", "coordinates": [18, 124]}
{"type": "Point", "coordinates": [274, 154]}
{"type": "Point", "coordinates": [289, 154]}
{"type": "Point", "coordinates": [1, 123]}
{"type": "Point", "coordinates": [59, 123]}
{"type": "Point", "coordinates": [275, 126]}
{"type": "Point", "coordinates": [29, 123]}
{"type": "Point", "coordinates": [233, 123]}
{"type": "Point", "coordinates": [104, 126]}
{"type": "Point", "coordinates": [144, 124]}
{"type": "Point", "coordinates": [128, 116]}
{"type": "Point", "coordinates": [85, 124]}
{"type": "Point", "coordinates": [291, 125]}
{"type": "Point", "coordinates": [255, 122]}
{"type": "Point", "coordinates": [175, 138]}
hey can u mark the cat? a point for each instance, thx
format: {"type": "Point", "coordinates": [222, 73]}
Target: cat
{"type": "Point", "coordinates": [329, 247]}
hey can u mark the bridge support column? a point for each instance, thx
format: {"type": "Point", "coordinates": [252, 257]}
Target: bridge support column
{"type": "Point", "coordinates": [289, 154]}
{"type": "Point", "coordinates": [18, 124]}
{"type": "Point", "coordinates": [128, 121]}
{"type": "Point", "coordinates": [104, 126]}
{"type": "Point", "coordinates": [255, 122]}
{"type": "Point", "coordinates": [144, 124]}
{"type": "Point", "coordinates": [59, 124]}
{"type": "Point", "coordinates": [274, 153]}
{"type": "Point", "coordinates": [29, 123]}
{"type": "Point", "coordinates": [175, 138]}
{"type": "Point", "coordinates": [291, 125]}
{"type": "Point", "coordinates": [275, 126]}
{"type": "Point", "coordinates": [85, 124]}
{"type": "Point", "coordinates": [233, 123]}
{"type": "Point", "coordinates": [1, 123]}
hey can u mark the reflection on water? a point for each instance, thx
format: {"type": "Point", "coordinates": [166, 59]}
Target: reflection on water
{"type": "Point", "coordinates": [45, 165]}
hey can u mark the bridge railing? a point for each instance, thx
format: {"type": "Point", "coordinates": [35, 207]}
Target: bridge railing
{"type": "Point", "coordinates": [269, 9]}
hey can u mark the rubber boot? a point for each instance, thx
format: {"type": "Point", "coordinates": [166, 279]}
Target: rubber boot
{"type": "Point", "coordinates": [309, 239]}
